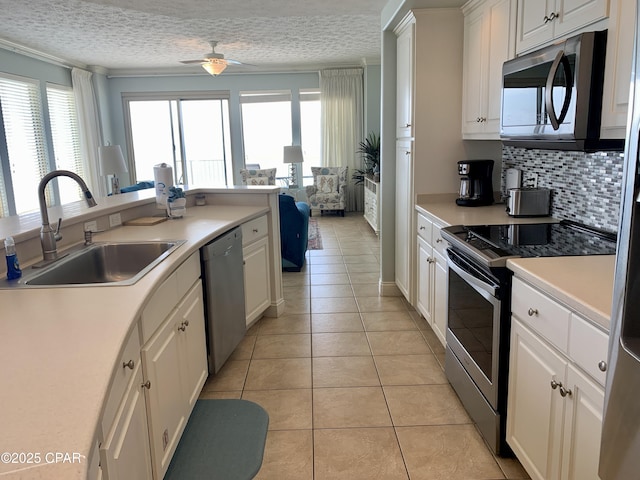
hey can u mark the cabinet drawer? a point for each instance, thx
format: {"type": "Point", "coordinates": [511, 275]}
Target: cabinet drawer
{"type": "Point", "coordinates": [588, 346]}
{"type": "Point", "coordinates": [254, 229]}
{"type": "Point", "coordinates": [439, 244]}
{"type": "Point", "coordinates": [541, 313]}
{"type": "Point", "coordinates": [162, 302]}
{"type": "Point", "coordinates": [188, 273]}
{"type": "Point", "coordinates": [424, 228]}
{"type": "Point", "coordinates": [131, 353]}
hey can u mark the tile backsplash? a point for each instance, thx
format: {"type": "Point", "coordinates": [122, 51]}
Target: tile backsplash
{"type": "Point", "coordinates": [586, 187]}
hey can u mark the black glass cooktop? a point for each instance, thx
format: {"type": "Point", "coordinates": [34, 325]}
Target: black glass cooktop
{"type": "Point", "coordinates": [496, 243]}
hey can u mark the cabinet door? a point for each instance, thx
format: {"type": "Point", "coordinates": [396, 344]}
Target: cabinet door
{"type": "Point", "coordinates": [404, 79]}
{"type": "Point", "coordinates": [532, 29]}
{"type": "Point", "coordinates": [474, 72]}
{"type": "Point", "coordinates": [404, 214]}
{"type": "Point", "coordinates": [617, 72]}
{"type": "Point", "coordinates": [193, 344]}
{"type": "Point", "coordinates": [501, 47]}
{"type": "Point", "coordinates": [125, 451]}
{"type": "Point", "coordinates": [424, 277]}
{"type": "Point", "coordinates": [582, 427]}
{"type": "Point", "coordinates": [440, 288]}
{"type": "Point", "coordinates": [534, 409]}
{"type": "Point", "coordinates": [165, 395]}
{"type": "Point", "coordinates": [575, 14]}
{"type": "Point", "coordinates": [257, 286]}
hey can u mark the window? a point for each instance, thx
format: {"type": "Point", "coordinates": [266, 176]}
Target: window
{"type": "Point", "coordinates": [310, 132]}
{"type": "Point", "coordinates": [190, 134]}
{"type": "Point", "coordinates": [26, 154]}
{"type": "Point", "coordinates": [266, 129]}
{"type": "Point", "coordinates": [24, 151]}
{"type": "Point", "coordinates": [66, 139]}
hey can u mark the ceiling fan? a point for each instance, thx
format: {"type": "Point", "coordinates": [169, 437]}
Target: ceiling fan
{"type": "Point", "coordinates": [214, 62]}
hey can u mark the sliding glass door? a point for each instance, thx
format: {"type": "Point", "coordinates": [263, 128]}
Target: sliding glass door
{"type": "Point", "coordinates": [190, 134]}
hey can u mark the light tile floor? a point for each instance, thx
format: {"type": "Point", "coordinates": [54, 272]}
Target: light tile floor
{"type": "Point", "coordinates": [353, 382]}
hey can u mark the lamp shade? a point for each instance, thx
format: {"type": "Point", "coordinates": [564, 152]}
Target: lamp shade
{"type": "Point", "coordinates": [111, 160]}
{"type": "Point", "coordinates": [293, 154]}
{"type": "Point", "coordinates": [215, 66]}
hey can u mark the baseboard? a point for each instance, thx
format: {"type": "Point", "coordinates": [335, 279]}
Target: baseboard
{"type": "Point", "coordinates": [275, 309]}
{"type": "Point", "coordinates": [388, 289]}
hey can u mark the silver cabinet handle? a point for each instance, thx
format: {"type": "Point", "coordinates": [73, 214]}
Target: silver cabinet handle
{"type": "Point", "coordinates": [602, 365]}
{"type": "Point", "coordinates": [439, 240]}
{"type": "Point", "coordinates": [430, 260]}
{"type": "Point", "coordinates": [255, 230]}
{"type": "Point", "coordinates": [146, 385]}
{"type": "Point", "coordinates": [407, 125]}
{"type": "Point", "coordinates": [182, 327]}
{"type": "Point", "coordinates": [130, 364]}
{"type": "Point", "coordinates": [532, 312]}
{"type": "Point", "coordinates": [421, 227]}
{"type": "Point", "coordinates": [565, 392]}
{"type": "Point", "coordinates": [407, 153]}
{"type": "Point", "coordinates": [555, 384]}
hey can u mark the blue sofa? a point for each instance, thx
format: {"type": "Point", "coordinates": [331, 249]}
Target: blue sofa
{"type": "Point", "coordinates": [294, 232]}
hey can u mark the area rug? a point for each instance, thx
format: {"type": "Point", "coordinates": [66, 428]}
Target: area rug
{"type": "Point", "coordinates": [223, 440]}
{"type": "Point", "coordinates": [315, 240]}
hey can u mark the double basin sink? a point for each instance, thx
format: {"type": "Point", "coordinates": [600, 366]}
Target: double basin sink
{"type": "Point", "coordinates": [106, 263]}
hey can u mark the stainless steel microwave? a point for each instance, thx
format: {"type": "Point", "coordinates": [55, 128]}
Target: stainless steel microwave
{"type": "Point", "coordinates": [552, 98]}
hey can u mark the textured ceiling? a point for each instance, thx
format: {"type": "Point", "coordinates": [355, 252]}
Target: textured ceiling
{"type": "Point", "coordinates": [154, 35]}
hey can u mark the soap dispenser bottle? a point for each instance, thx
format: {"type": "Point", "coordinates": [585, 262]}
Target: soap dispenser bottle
{"type": "Point", "coordinates": [13, 267]}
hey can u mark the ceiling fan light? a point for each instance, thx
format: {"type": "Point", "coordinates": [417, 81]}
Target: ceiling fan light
{"type": "Point", "coordinates": [215, 66]}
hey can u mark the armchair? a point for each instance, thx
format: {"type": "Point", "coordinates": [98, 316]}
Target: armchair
{"type": "Point", "coordinates": [294, 232]}
{"type": "Point", "coordinates": [328, 189]}
{"type": "Point", "coordinates": [265, 176]}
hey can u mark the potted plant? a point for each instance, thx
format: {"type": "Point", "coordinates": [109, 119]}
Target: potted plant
{"type": "Point", "coordinates": [370, 150]}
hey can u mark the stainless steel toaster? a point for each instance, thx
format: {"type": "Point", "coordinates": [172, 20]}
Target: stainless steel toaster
{"type": "Point", "coordinates": [528, 202]}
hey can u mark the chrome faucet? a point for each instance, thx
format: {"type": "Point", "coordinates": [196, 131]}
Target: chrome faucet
{"type": "Point", "coordinates": [49, 236]}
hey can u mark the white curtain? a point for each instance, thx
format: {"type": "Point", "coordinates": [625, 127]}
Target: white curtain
{"type": "Point", "coordinates": [342, 117]}
{"type": "Point", "coordinates": [89, 125]}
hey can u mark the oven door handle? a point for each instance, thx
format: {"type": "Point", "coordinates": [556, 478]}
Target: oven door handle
{"type": "Point", "coordinates": [453, 260]}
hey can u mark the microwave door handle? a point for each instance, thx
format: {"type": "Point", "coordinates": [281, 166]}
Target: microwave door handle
{"type": "Point", "coordinates": [555, 120]}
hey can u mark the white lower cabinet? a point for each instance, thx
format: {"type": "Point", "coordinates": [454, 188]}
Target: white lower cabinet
{"type": "Point", "coordinates": [256, 279]}
{"type": "Point", "coordinates": [175, 366]}
{"type": "Point", "coordinates": [432, 276]}
{"type": "Point", "coordinates": [257, 273]}
{"type": "Point", "coordinates": [554, 412]}
{"type": "Point", "coordinates": [124, 454]}
{"type": "Point", "coordinates": [153, 393]}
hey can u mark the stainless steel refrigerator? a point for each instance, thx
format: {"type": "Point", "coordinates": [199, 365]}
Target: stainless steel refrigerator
{"type": "Point", "coordinates": [620, 446]}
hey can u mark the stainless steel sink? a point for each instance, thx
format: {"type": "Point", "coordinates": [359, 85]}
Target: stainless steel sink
{"type": "Point", "coordinates": [101, 263]}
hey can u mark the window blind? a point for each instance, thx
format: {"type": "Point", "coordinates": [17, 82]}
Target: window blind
{"type": "Point", "coordinates": [25, 140]}
{"type": "Point", "coordinates": [65, 134]}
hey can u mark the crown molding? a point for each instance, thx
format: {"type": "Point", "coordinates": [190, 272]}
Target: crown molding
{"type": "Point", "coordinates": [38, 55]}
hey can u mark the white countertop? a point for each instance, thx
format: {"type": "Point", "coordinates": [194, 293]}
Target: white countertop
{"type": "Point", "coordinates": [444, 209]}
{"type": "Point", "coordinates": [584, 284]}
{"type": "Point", "coordinates": [59, 346]}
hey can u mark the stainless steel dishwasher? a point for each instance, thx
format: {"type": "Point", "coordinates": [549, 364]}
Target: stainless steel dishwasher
{"type": "Point", "coordinates": [224, 296]}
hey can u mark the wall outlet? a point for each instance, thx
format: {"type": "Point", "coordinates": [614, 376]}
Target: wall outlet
{"type": "Point", "coordinates": [91, 226]}
{"type": "Point", "coordinates": [115, 220]}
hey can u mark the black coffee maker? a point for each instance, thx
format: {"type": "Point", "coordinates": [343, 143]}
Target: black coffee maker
{"type": "Point", "coordinates": [476, 188]}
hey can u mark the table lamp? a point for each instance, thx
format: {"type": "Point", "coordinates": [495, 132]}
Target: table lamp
{"type": "Point", "coordinates": [293, 155]}
{"type": "Point", "coordinates": [111, 163]}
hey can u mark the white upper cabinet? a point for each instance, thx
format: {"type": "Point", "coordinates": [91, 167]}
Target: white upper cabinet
{"type": "Point", "coordinates": [541, 21]}
{"type": "Point", "coordinates": [489, 32]}
{"type": "Point", "coordinates": [404, 79]}
{"type": "Point", "coordinates": [617, 71]}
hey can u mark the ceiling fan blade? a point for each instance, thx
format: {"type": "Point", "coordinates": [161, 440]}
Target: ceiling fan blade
{"type": "Point", "coordinates": [192, 61]}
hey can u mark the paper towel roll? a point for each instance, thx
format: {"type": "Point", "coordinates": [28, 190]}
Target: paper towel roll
{"type": "Point", "coordinates": [163, 177]}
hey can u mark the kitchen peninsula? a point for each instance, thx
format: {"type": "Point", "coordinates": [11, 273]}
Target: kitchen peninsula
{"type": "Point", "coordinates": [61, 347]}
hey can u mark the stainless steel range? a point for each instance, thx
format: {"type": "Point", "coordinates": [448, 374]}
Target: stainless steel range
{"type": "Point", "coordinates": [479, 307]}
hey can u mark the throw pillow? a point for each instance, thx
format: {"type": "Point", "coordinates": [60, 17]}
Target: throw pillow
{"type": "Point", "coordinates": [266, 176]}
{"type": "Point", "coordinates": [327, 183]}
